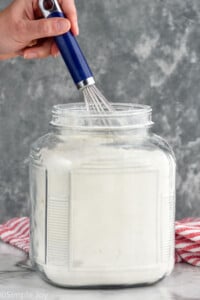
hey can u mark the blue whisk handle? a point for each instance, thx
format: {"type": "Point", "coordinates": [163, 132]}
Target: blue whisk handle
{"type": "Point", "coordinates": [69, 47]}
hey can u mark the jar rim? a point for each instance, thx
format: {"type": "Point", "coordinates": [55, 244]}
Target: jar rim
{"type": "Point", "coordinates": [124, 115]}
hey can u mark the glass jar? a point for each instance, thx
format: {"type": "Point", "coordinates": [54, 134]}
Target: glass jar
{"type": "Point", "coordinates": [102, 191]}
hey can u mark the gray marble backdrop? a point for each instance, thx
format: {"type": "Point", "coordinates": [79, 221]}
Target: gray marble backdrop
{"type": "Point", "coordinates": [145, 51]}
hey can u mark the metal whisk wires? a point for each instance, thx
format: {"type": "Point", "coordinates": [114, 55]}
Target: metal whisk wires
{"type": "Point", "coordinates": [95, 101]}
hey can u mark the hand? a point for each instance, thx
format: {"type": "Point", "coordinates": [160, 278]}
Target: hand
{"type": "Point", "coordinates": [25, 32]}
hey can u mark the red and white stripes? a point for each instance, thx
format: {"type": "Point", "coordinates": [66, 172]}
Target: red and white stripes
{"type": "Point", "coordinates": [187, 233]}
{"type": "Point", "coordinates": [188, 241]}
{"type": "Point", "coordinates": [16, 233]}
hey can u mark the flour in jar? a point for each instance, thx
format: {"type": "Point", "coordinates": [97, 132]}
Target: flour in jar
{"type": "Point", "coordinates": [100, 216]}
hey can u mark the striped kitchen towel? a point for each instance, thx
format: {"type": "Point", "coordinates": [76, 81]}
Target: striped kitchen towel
{"type": "Point", "coordinates": [187, 236]}
{"type": "Point", "coordinates": [16, 232]}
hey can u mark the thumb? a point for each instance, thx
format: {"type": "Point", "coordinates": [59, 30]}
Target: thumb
{"type": "Point", "coordinates": [42, 28]}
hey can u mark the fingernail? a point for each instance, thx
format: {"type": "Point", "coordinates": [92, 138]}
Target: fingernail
{"type": "Point", "coordinates": [30, 55]}
{"type": "Point", "coordinates": [77, 28]}
{"type": "Point", "coordinates": [63, 25]}
{"type": "Point", "coordinates": [56, 55]}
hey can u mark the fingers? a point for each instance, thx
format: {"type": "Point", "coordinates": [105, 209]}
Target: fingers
{"type": "Point", "coordinates": [37, 29]}
{"type": "Point", "coordinates": [41, 51]}
{"type": "Point", "coordinates": [8, 56]}
{"type": "Point", "coordinates": [70, 11]}
{"type": "Point", "coordinates": [54, 50]}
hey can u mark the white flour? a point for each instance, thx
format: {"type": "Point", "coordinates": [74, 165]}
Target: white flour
{"type": "Point", "coordinates": [109, 221]}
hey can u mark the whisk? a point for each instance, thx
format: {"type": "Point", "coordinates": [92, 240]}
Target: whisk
{"type": "Point", "coordinates": [76, 63]}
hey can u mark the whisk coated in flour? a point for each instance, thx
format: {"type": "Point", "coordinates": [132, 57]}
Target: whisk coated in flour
{"type": "Point", "coordinates": [95, 101]}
